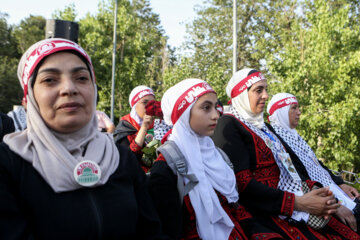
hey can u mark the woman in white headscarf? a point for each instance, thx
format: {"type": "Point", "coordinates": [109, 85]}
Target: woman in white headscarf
{"type": "Point", "coordinates": [269, 186]}
{"type": "Point", "coordinates": [135, 129]}
{"type": "Point", "coordinates": [284, 115]}
{"type": "Point", "coordinates": [61, 178]}
{"type": "Point", "coordinates": [206, 210]}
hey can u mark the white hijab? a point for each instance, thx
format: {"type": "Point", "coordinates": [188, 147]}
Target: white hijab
{"type": "Point", "coordinates": [279, 107]}
{"type": "Point", "coordinates": [54, 155]}
{"type": "Point", "coordinates": [136, 94]}
{"type": "Point", "coordinates": [202, 159]}
{"type": "Point", "coordinates": [240, 100]}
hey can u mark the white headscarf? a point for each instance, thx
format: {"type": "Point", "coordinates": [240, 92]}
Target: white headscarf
{"type": "Point", "coordinates": [202, 159]}
{"type": "Point", "coordinates": [136, 94]}
{"type": "Point", "coordinates": [278, 109]}
{"type": "Point", "coordinates": [54, 155]}
{"type": "Point", "coordinates": [237, 90]}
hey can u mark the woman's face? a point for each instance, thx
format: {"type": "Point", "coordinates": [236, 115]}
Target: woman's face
{"type": "Point", "coordinates": [140, 105]}
{"type": "Point", "coordinates": [294, 115]}
{"type": "Point", "coordinates": [204, 115]}
{"type": "Point", "coordinates": [258, 96]}
{"type": "Point", "coordinates": [64, 92]}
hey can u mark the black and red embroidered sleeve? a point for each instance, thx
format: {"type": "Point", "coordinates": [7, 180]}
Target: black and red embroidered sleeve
{"type": "Point", "coordinates": [242, 179]}
{"type": "Point", "coordinates": [288, 204]}
{"type": "Point", "coordinates": [133, 145]}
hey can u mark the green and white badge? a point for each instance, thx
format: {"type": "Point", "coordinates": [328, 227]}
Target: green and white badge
{"type": "Point", "coordinates": [87, 173]}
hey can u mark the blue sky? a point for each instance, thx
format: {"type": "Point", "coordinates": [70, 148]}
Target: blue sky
{"type": "Point", "coordinates": [173, 13]}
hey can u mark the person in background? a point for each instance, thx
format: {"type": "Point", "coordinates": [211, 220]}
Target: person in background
{"type": "Point", "coordinates": [135, 129]}
{"type": "Point", "coordinates": [6, 125]}
{"type": "Point", "coordinates": [18, 114]}
{"type": "Point", "coordinates": [208, 210]}
{"type": "Point", "coordinates": [269, 186]}
{"type": "Point", "coordinates": [104, 122]}
{"type": "Point", "coordinates": [284, 116]}
{"type": "Point", "coordinates": [61, 178]}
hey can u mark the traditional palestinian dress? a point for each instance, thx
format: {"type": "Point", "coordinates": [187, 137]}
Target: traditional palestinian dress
{"type": "Point", "coordinates": [278, 110]}
{"type": "Point", "coordinates": [209, 210]}
{"type": "Point", "coordinates": [267, 180]}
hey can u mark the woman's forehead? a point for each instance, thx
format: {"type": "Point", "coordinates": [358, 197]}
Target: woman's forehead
{"type": "Point", "coordinates": [209, 97]}
{"type": "Point", "coordinates": [148, 97]}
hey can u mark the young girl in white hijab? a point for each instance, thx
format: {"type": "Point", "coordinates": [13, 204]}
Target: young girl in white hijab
{"type": "Point", "coordinates": [207, 212]}
{"type": "Point", "coordinates": [284, 115]}
{"type": "Point", "coordinates": [61, 178]}
{"type": "Point", "coordinates": [269, 185]}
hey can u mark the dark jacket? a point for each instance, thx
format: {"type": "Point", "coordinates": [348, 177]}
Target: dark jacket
{"type": "Point", "coordinates": [6, 125]}
{"type": "Point", "coordinates": [30, 209]}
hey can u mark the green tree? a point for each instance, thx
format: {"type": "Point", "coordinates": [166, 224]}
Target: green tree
{"type": "Point", "coordinates": [140, 49]}
{"type": "Point", "coordinates": [210, 37]}
{"type": "Point", "coordinates": [68, 14]}
{"type": "Point", "coordinates": [29, 31]}
{"type": "Point", "coordinates": [10, 90]}
{"type": "Point", "coordinates": [320, 64]}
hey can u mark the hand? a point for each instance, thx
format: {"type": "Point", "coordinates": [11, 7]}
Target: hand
{"type": "Point", "coordinates": [350, 191]}
{"type": "Point", "coordinates": [347, 217]}
{"type": "Point", "coordinates": [319, 202]}
{"type": "Point", "coordinates": [147, 121]}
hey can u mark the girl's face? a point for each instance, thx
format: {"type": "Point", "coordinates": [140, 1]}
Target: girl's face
{"type": "Point", "coordinates": [140, 105]}
{"type": "Point", "coordinates": [258, 96]}
{"type": "Point", "coordinates": [294, 115]}
{"type": "Point", "coordinates": [64, 92]}
{"type": "Point", "coordinates": [203, 115]}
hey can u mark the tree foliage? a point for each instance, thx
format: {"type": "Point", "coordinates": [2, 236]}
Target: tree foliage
{"type": "Point", "coordinates": [10, 90]}
{"type": "Point", "coordinates": [310, 48]}
{"type": "Point", "coordinates": [320, 64]}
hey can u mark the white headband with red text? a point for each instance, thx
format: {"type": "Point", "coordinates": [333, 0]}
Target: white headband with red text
{"type": "Point", "coordinates": [46, 49]}
{"type": "Point", "coordinates": [140, 95]}
{"type": "Point", "coordinates": [246, 83]}
{"type": "Point", "coordinates": [187, 98]}
{"type": "Point", "coordinates": [282, 103]}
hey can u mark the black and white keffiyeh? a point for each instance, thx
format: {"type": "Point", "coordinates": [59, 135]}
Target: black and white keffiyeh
{"type": "Point", "coordinates": [306, 155]}
{"type": "Point", "coordinates": [286, 182]}
{"type": "Point", "coordinates": [160, 129]}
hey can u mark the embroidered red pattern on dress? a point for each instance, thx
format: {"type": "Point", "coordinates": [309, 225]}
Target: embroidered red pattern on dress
{"type": "Point", "coordinates": [317, 234]}
{"type": "Point", "coordinates": [265, 236]}
{"type": "Point", "coordinates": [289, 230]}
{"type": "Point", "coordinates": [310, 183]}
{"type": "Point", "coordinates": [242, 214]}
{"type": "Point", "coordinates": [342, 229]}
{"type": "Point", "coordinates": [268, 175]}
{"type": "Point", "coordinates": [287, 206]}
{"type": "Point", "coordinates": [133, 146]}
{"type": "Point", "coordinates": [242, 179]}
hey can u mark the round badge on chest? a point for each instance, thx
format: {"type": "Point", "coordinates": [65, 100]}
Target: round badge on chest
{"type": "Point", "coordinates": [87, 173]}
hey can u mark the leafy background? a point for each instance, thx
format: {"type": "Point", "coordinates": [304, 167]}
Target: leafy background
{"type": "Point", "coordinates": [310, 48]}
